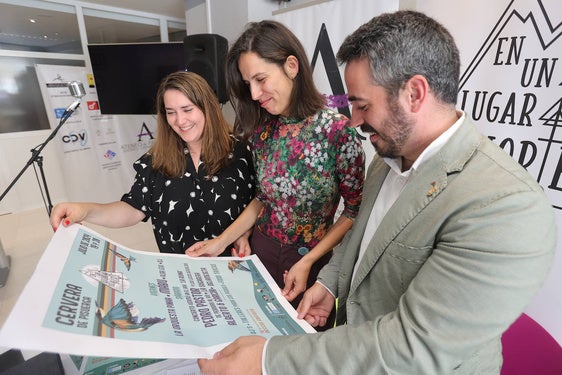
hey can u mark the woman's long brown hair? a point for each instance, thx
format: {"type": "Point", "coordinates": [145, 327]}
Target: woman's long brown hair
{"type": "Point", "coordinates": [167, 151]}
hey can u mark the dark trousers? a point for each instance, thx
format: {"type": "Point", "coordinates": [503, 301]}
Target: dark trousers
{"type": "Point", "coordinates": [278, 258]}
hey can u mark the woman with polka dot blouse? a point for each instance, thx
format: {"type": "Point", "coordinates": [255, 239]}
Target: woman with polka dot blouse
{"type": "Point", "coordinates": [193, 182]}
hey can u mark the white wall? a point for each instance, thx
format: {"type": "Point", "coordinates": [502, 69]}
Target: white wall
{"type": "Point", "coordinates": [196, 17]}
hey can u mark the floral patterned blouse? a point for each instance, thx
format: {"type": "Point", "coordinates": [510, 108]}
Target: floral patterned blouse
{"type": "Point", "coordinates": [303, 168]}
{"type": "Point", "coordinates": [192, 208]}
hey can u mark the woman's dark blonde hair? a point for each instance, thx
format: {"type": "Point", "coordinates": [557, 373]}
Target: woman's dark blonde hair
{"type": "Point", "coordinates": [167, 152]}
{"type": "Point", "coordinates": [273, 42]}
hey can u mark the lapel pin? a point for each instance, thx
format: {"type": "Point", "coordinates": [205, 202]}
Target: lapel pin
{"type": "Point", "coordinates": [433, 189]}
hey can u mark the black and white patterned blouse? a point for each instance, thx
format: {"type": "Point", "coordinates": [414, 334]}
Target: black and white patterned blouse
{"type": "Point", "coordinates": [192, 207]}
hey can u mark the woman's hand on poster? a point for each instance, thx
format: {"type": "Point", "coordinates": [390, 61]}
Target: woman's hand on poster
{"type": "Point", "coordinates": [295, 279]}
{"type": "Point", "coordinates": [67, 213]}
{"type": "Point", "coordinates": [241, 247]}
{"type": "Point", "coordinates": [207, 248]}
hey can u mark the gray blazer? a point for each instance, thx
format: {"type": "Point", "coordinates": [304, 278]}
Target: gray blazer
{"type": "Point", "coordinates": [454, 262]}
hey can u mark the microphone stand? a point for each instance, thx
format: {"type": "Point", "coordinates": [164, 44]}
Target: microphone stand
{"type": "Point", "coordinates": [37, 158]}
{"type": "Point", "coordinates": [5, 260]}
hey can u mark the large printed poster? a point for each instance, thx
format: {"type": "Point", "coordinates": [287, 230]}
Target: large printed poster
{"type": "Point", "coordinates": [91, 296]}
{"type": "Point", "coordinates": [97, 151]}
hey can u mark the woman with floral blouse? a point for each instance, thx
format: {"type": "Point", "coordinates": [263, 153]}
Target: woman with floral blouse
{"type": "Point", "coordinates": [306, 158]}
{"type": "Point", "coordinates": [192, 183]}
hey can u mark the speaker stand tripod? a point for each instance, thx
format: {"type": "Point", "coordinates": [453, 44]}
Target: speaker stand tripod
{"type": "Point", "coordinates": [5, 261]}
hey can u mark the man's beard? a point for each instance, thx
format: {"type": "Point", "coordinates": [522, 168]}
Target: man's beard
{"type": "Point", "coordinates": [398, 127]}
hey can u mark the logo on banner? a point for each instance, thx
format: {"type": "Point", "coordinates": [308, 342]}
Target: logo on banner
{"type": "Point", "coordinates": [93, 105]}
{"type": "Point", "coordinates": [512, 89]}
{"type": "Point", "coordinates": [59, 112]}
{"type": "Point", "coordinates": [76, 137]}
{"type": "Point", "coordinates": [144, 132]}
{"type": "Point", "coordinates": [109, 154]}
{"type": "Point", "coordinates": [58, 82]}
{"type": "Point", "coordinates": [338, 98]}
{"type": "Point", "coordinates": [90, 78]}
{"type": "Point", "coordinates": [144, 137]}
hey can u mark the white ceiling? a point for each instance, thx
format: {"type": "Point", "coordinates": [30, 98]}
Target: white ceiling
{"type": "Point", "coordinates": [52, 31]}
{"type": "Point", "coordinates": [170, 8]}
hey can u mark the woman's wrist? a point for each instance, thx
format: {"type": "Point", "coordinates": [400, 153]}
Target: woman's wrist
{"type": "Point", "coordinates": [307, 261]}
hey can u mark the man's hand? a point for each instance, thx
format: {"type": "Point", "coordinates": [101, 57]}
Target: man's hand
{"type": "Point", "coordinates": [243, 356]}
{"type": "Point", "coordinates": [316, 305]}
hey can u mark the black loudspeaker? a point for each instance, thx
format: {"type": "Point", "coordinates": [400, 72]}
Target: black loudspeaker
{"type": "Point", "coordinates": [205, 54]}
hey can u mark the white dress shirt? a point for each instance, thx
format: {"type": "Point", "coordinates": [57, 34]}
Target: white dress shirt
{"type": "Point", "coordinates": [395, 182]}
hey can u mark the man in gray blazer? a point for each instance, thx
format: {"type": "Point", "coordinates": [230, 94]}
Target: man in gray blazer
{"type": "Point", "coordinates": [453, 238]}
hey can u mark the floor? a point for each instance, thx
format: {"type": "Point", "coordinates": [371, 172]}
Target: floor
{"type": "Point", "coordinates": [25, 235]}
